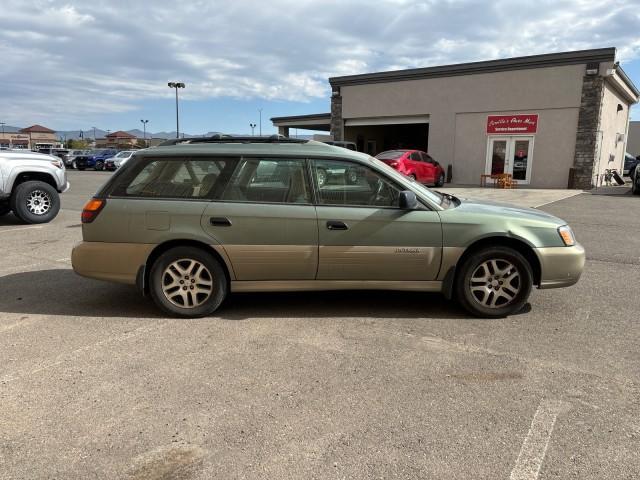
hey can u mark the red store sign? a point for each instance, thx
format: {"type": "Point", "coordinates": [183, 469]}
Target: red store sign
{"type": "Point", "coordinates": [512, 124]}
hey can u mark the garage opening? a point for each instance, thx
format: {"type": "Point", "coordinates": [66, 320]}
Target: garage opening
{"type": "Point", "coordinates": [373, 136]}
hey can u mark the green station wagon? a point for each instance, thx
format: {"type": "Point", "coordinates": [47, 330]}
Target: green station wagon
{"type": "Point", "coordinates": [194, 219]}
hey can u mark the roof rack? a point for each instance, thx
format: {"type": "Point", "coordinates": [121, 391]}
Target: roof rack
{"type": "Point", "coordinates": [222, 138]}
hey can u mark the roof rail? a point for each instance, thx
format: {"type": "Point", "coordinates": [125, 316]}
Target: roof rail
{"type": "Point", "coordinates": [222, 138]}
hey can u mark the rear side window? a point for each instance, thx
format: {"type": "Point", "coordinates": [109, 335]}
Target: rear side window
{"type": "Point", "coordinates": [269, 180]}
{"type": "Point", "coordinates": [415, 156]}
{"type": "Point", "coordinates": [174, 178]}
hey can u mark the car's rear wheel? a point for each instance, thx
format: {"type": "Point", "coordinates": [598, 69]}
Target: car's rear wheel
{"type": "Point", "coordinates": [187, 282]}
{"type": "Point", "coordinates": [74, 165]}
{"type": "Point", "coordinates": [494, 282]}
{"type": "Point", "coordinates": [35, 202]}
{"type": "Point", "coordinates": [440, 181]}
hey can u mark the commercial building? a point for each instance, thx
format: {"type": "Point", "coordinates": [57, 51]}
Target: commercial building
{"type": "Point", "coordinates": [120, 140]}
{"type": "Point", "coordinates": [35, 137]}
{"type": "Point", "coordinates": [552, 121]}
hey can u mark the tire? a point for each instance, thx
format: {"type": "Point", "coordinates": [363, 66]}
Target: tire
{"type": "Point", "coordinates": [440, 181]}
{"type": "Point", "coordinates": [321, 177]}
{"type": "Point", "coordinates": [35, 202]}
{"type": "Point", "coordinates": [178, 260]}
{"type": "Point", "coordinates": [5, 208]}
{"type": "Point", "coordinates": [488, 289]}
{"type": "Point", "coordinates": [81, 169]}
{"type": "Point", "coordinates": [74, 166]}
{"type": "Point", "coordinates": [635, 183]}
{"type": "Point", "coordinates": [99, 166]}
{"type": "Point", "coordinates": [351, 176]}
{"type": "Point", "coordinates": [413, 176]}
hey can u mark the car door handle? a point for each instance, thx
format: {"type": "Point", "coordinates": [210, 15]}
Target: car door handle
{"type": "Point", "coordinates": [220, 221]}
{"type": "Point", "coordinates": [337, 225]}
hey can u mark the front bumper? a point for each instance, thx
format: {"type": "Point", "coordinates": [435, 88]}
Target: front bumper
{"type": "Point", "coordinates": [560, 266]}
{"type": "Point", "coordinates": [113, 262]}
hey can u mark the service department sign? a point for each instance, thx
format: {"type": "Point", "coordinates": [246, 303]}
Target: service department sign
{"type": "Point", "coordinates": [512, 124]}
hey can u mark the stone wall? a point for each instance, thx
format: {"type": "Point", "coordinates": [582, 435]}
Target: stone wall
{"type": "Point", "coordinates": [336, 114]}
{"type": "Point", "coordinates": [587, 133]}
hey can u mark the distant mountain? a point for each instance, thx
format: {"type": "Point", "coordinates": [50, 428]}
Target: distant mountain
{"type": "Point", "coordinates": [10, 129]}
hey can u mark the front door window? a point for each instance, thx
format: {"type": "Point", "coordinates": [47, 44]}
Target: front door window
{"type": "Point", "coordinates": [510, 155]}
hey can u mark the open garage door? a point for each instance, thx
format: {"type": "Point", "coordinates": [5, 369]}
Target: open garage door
{"type": "Point", "coordinates": [375, 135]}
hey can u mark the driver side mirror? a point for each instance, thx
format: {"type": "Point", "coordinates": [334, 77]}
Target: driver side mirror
{"type": "Point", "coordinates": [408, 200]}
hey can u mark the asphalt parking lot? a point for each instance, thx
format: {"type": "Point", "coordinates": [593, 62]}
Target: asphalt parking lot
{"type": "Point", "coordinates": [95, 383]}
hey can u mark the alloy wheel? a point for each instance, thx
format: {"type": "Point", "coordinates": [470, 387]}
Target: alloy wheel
{"type": "Point", "coordinates": [187, 283]}
{"type": "Point", "coordinates": [495, 283]}
{"type": "Point", "coordinates": [38, 202]}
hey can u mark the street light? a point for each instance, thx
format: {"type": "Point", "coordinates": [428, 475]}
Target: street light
{"type": "Point", "coordinates": [176, 85]}
{"type": "Point", "coordinates": [260, 110]}
{"type": "Point", "coordinates": [253, 126]}
{"type": "Point", "coordinates": [144, 128]}
{"type": "Point", "coordinates": [3, 124]}
{"type": "Point", "coordinates": [94, 136]}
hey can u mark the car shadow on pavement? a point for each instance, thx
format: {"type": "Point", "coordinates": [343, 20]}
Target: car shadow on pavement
{"type": "Point", "coordinates": [10, 220]}
{"type": "Point", "coordinates": [62, 292]}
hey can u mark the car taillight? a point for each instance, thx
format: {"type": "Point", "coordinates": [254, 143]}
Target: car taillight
{"type": "Point", "coordinates": [393, 164]}
{"type": "Point", "coordinates": [92, 209]}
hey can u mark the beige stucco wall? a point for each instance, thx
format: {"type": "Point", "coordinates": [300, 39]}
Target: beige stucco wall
{"type": "Point", "coordinates": [464, 101]}
{"type": "Point", "coordinates": [552, 152]}
{"type": "Point", "coordinates": [612, 123]}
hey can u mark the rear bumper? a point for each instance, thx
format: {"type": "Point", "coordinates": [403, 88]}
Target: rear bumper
{"type": "Point", "coordinates": [560, 266]}
{"type": "Point", "coordinates": [113, 262]}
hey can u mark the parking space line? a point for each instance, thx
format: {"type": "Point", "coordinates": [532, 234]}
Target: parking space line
{"type": "Point", "coordinates": [534, 447]}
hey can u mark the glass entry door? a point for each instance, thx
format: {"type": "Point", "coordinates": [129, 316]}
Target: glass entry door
{"type": "Point", "coordinates": [510, 155]}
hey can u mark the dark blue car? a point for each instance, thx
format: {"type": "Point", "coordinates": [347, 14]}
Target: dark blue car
{"type": "Point", "coordinates": [94, 159]}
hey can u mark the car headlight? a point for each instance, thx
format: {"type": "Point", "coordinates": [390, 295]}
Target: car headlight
{"type": "Point", "coordinates": [57, 163]}
{"type": "Point", "coordinates": [567, 235]}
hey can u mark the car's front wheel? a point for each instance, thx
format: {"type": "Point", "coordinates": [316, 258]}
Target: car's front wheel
{"type": "Point", "coordinates": [494, 282]}
{"type": "Point", "coordinates": [187, 282]}
{"type": "Point", "coordinates": [99, 165]}
{"type": "Point", "coordinates": [74, 165]}
{"type": "Point", "coordinates": [321, 176]}
{"type": "Point", "coordinates": [635, 182]}
{"type": "Point", "coordinates": [35, 202]}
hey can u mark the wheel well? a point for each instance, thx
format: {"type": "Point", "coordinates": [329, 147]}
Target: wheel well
{"type": "Point", "coordinates": [525, 250]}
{"type": "Point", "coordinates": [29, 176]}
{"type": "Point", "coordinates": [163, 247]}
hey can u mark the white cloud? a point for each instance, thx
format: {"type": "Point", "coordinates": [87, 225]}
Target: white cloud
{"type": "Point", "coordinates": [82, 58]}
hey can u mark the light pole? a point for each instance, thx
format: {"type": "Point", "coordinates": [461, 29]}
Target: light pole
{"type": "Point", "coordinates": [94, 136]}
{"type": "Point", "coordinates": [177, 85]}
{"type": "Point", "coordinates": [260, 110]}
{"type": "Point", "coordinates": [144, 129]}
{"type": "Point", "coordinates": [3, 124]}
{"type": "Point", "coordinates": [253, 126]}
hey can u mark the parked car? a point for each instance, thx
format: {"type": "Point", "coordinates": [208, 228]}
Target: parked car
{"type": "Point", "coordinates": [415, 164]}
{"type": "Point", "coordinates": [94, 159]}
{"type": "Point", "coordinates": [194, 219]}
{"type": "Point", "coordinates": [630, 163]}
{"type": "Point", "coordinates": [118, 160]}
{"type": "Point", "coordinates": [29, 185]}
{"type": "Point", "coordinates": [70, 161]}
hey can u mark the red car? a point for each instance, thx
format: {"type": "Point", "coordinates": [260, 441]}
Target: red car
{"type": "Point", "coordinates": [416, 164]}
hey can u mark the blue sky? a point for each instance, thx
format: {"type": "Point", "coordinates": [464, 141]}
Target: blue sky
{"type": "Point", "coordinates": [106, 63]}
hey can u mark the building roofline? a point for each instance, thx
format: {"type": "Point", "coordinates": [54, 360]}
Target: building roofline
{"type": "Point", "coordinates": [628, 82]}
{"type": "Point", "coordinates": [516, 63]}
{"type": "Point", "coordinates": [294, 118]}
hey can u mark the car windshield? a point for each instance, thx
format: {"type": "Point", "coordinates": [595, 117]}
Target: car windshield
{"type": "Point", "coordinates": [435, 197]}
{"type": "Point", "coordinates": [391, 154]}
{"type": "Point", "coordinates": [123, 154]}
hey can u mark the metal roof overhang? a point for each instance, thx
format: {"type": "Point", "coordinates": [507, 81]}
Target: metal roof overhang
{"type": "Point", "coordinates": [319, 121]}
{"type": "Point", "coordinates": [399, 120]}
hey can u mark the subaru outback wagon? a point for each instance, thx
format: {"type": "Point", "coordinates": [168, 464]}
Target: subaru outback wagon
{"type": "Point", "coordinates": [194, 219]}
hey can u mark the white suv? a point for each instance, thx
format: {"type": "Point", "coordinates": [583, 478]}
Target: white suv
{"type": "Point", "coordinates": [30, 184]}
